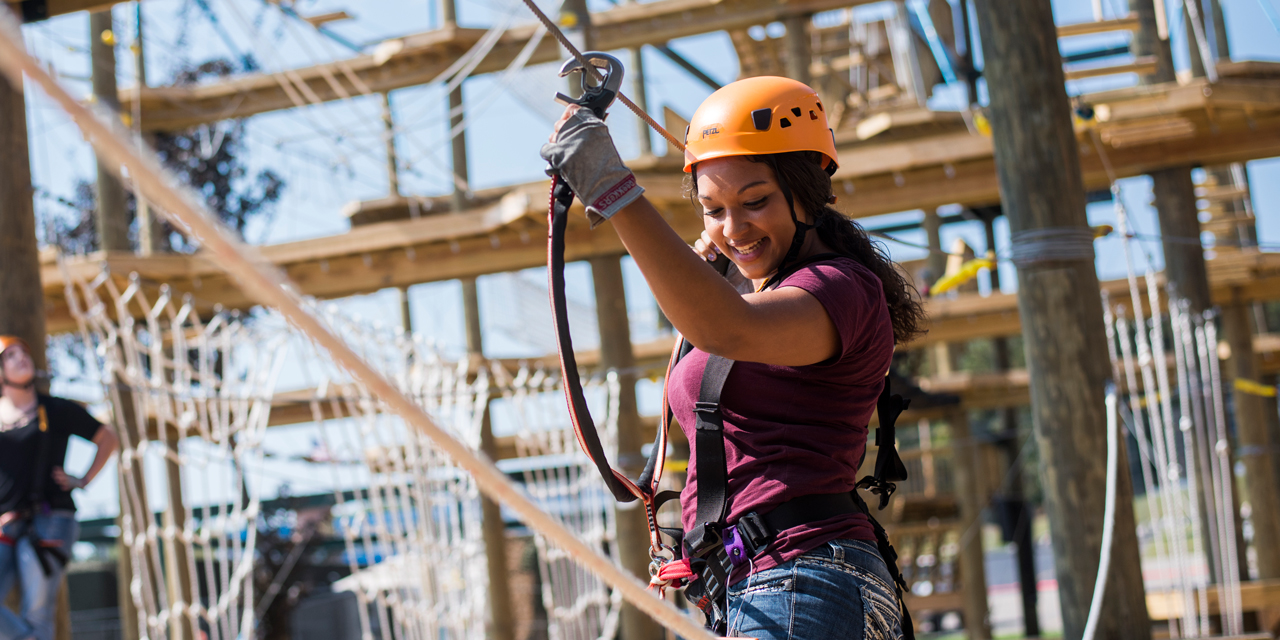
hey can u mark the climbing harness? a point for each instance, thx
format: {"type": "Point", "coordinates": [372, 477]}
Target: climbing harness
{"type": "Point", "coordinates": [703, 558]}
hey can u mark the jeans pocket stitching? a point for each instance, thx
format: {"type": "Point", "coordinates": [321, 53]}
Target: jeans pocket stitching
{"type": "Point", "coordinates": [883, 619]}
{"type": "Point", "coordinates": [778, 585]}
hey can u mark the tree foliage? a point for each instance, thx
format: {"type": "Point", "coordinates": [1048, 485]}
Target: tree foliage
{"type": "Point", "coordinates": [211, 159]}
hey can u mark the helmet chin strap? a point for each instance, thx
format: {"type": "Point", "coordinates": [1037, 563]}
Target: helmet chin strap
{"type": "Point", "coordinates": [802, 228]}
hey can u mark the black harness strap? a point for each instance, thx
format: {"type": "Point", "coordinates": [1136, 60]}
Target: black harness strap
{"type": "Point", "coordinates": [713, 479]}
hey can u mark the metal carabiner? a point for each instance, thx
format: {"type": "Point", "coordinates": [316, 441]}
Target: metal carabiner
{"type": "Point", "coordinates": [596, 97]}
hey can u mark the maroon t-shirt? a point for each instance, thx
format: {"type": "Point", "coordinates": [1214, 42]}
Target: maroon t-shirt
{"type": "Point", "coordinates": [796, 431]}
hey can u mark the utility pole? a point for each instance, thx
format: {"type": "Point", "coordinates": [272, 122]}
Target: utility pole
{"type": "Point", "coordinates": [113, 213]}
{"type": "Point", "coordinates": [616, 355]}
{"type": "Point", "coordinates": [1037, 160]}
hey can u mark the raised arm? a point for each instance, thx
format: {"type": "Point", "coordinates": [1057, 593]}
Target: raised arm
{"type": "Point", "coordinates": [787, 326]}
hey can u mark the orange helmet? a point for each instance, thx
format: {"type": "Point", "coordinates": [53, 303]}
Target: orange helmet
{"type": "Point", "coordinates": [10, 341]}
{"type": "Point", "coordinates": [759, 116]}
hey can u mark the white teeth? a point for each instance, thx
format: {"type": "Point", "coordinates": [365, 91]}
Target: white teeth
{"type": "Point", "coordinates": [748, 248]}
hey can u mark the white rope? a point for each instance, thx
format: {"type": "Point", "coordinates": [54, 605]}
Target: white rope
{"type": "Point", "coordinates": [1108, 515]}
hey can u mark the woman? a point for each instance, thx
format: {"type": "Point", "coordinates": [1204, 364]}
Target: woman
{"type": "Point", "coordinates": [37, 515]}
{"type": "Point", "coordinates": [812, 340]}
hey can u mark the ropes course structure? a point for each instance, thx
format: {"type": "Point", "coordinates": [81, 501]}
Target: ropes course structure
{"type": "Point", "coordinates": [169, 379]}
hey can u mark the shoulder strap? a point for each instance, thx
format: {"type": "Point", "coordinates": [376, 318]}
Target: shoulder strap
{"type": "Point", "coordinates": [713, 472]}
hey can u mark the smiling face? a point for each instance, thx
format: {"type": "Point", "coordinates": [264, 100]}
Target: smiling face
{"type": "Point", "coordinates": [17, 365]}
{"type": "Point", "coordinates": [746, 214]}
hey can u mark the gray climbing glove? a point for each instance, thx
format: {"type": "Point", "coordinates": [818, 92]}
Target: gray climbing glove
{"type": "Point", "coordinates": [584, 155]}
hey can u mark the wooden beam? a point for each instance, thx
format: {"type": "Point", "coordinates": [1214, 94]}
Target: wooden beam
{"type": "Point", "coordinates": [55, 8]}
{"type": "Point", "coordinates": [421, 57]}
{"type": "Point", "coordinates": [1127, 23]}
{"type": "Point", "coordinates": [1142, 66]}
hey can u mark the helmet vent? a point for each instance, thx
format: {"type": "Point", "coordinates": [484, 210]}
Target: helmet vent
{"type": "Point", "coordinates": [784, 123]}
{"type": "Point", "coordinates": [820, 106]}
{"type": "Point", "coordinates": [762, 118]}
{"type": "Point", "coordinates": [812, 115]}
{"type": "Point", "coordinates": [796, 111]}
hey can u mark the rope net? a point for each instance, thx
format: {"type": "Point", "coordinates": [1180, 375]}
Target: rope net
{"type": "Point", "coordinates": [192, 397]}
{"type": "Point", "coordinates": [564, 482]}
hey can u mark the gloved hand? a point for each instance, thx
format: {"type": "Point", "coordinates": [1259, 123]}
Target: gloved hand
{"type": "Point", "coordinates": [583, 154]}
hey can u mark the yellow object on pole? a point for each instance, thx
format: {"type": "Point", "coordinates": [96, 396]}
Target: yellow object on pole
{"type": "Point", "coordinates": [1255, 388]}
{"type": "Point", "coordinates": [967, 272]}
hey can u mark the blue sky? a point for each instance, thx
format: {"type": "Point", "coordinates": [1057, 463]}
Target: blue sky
{"type": "Point", "coordinates": [332, 154]}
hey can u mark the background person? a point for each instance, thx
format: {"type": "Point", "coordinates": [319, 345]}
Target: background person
{"type": "Point", "coordinates": [37, 514]}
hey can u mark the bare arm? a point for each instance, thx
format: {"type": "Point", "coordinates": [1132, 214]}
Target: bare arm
{"type": "Point", "coordinates": [107, 441]}
{"type": "Point", "coordinates": [785, 326]}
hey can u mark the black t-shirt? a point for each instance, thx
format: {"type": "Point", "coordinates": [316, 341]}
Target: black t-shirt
{"type": "Point", "coordinates": [20, 452]}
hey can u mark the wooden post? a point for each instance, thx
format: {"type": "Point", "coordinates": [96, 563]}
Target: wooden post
{"type": "Point", "coordinates": [1262, 482]}
{"type": "Point", "coordinates": [1010, 446]}
{"type": "Point", "coordinates": [389, 137]}
{"type": "Point", "coordinates": [616, 354]}
{"type": "Point", "coordinates": [21, 296]}
{"type": "Point", "coordinates": [177, 568]}
{"type": "Point", "coordinates": [973, 576]}
{"type": "Point", "coordinates": [940, 354]}
{"type": "Point", "coordinates": [150, 229]}
{"type": "Point", "coordinates": [1038, 165]}
{"type": "Point", "coordinates": [1146, 42]}
{"type": "Point", "coordinates": [799, 47]}
{"type": "Point", "coordinates": [640, 96]}
{"type": "Point", "coordinates": [493, 528]}
{"type": "Point", "coordinates": [113, 214]}
{"type": "Point", "coordinates": [406, 312]}
{"type": "Point", "coordinates": [124, 576]}
{"type": "Point", "coordinates": [458, 144]}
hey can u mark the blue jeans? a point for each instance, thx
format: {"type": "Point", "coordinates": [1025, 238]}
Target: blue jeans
{"type": "Point", "coordinates": [19, 563]}
{"type": "Point", "coordinates": [839, 590]}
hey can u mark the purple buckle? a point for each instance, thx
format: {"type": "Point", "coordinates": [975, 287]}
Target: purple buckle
{"type": "Point", "coordinates": [734, 546]}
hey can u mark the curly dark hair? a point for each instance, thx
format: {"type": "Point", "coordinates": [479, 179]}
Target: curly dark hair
{"type": "Point", "coordinates": [810, 187]}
